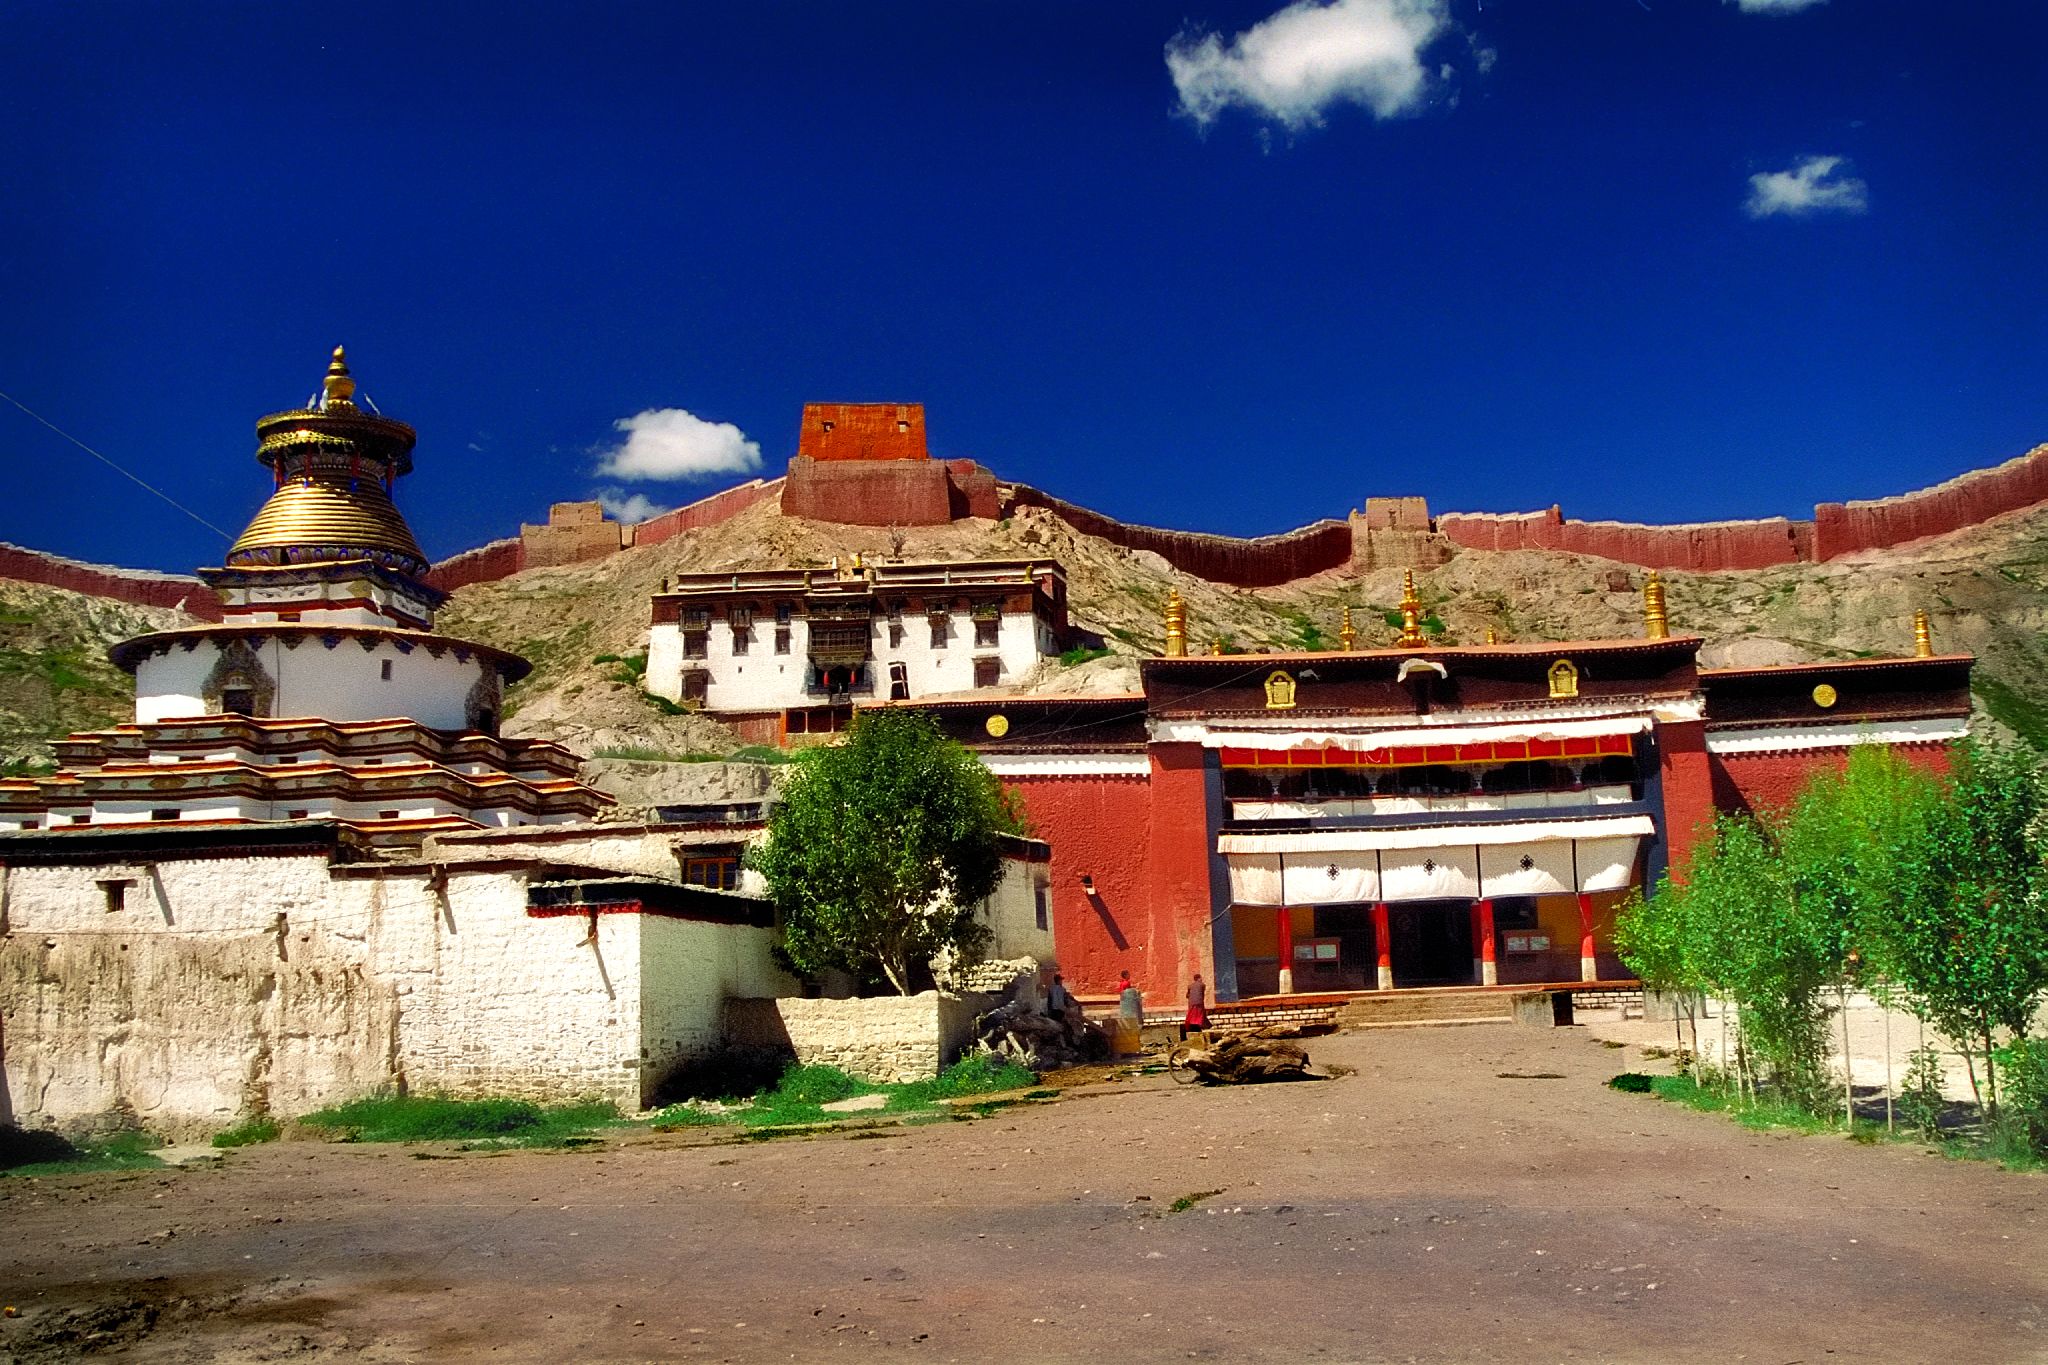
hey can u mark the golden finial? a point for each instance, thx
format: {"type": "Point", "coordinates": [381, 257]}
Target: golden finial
{"type": "Point", "coordinates": [1347, 633]}
{"type": "Point", "coordinates": [1411, 612]}
{"type": "Point", "coordinates": [1492, 636]}
{"type": "Point", "coordinates": [339, 388]}
{"type": "Point", "coordinates": [1656, 624]}
{"type": "Point", "coordinates": [1923, 639]}
{"type": "Point", "coordinates": [1216, 645]}
{"type": "Point", "coordinates": [1176, 625]}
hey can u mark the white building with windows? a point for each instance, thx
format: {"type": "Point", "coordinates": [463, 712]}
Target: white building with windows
{"type": "Point", "coordinates": [788, 651]}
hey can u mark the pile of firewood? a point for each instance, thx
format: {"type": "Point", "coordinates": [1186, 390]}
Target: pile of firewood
{"type": "Point", "coordinates": [1020, 1031]}
{"type": "Point", "coordinates": [1238, 1058]}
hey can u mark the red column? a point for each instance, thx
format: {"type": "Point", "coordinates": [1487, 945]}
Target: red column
{"type": "Point", "coordinates": [1589, 965]}
{"type": "Point", "coordinates": [1482, 918]}
{"type": "Point", "coordinates": [1384, 944]}
{"type": "Point", "coordinates": [1285, 922]}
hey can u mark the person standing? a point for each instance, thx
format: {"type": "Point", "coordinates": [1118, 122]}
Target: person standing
{"type": "Point", "coordinates": [1198, 1006]}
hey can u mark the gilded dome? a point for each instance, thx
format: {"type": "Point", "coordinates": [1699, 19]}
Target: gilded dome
{"type": "Point", "coordinates": [311, 521]}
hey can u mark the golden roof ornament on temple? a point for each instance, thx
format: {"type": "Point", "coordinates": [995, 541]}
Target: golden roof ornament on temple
{"type": "Point", "coordinates": [334, 465]}
{"type": "Point", "coordinates": [1923, 638]}
{"type": "Point", "coordinates": [1347, 633]}
{"type": "Point", "coordinates": [1656, 622]}
{"type": "Point", "coordinates": [1492, 636]}
{"type": "Point", "coordinates": [1411, 613]}
{"type": "Point", "coordinates": [1176, 625]}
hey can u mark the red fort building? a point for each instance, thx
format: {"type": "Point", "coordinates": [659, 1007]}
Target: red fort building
{"type": "Point", "coordinates": [1425, 815]}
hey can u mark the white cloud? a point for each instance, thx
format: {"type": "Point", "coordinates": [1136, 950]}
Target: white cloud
{"type": "Point", "coordinates": [620, 505]}
{"type": "Point", "coordinates": [1294, 65]}
{"type": "Point", "coordinates": [1774, 6]}
{"type": "Point", "coordinates": [1812, 186]}
{"type": "Point", "coordinates": [669, 443]}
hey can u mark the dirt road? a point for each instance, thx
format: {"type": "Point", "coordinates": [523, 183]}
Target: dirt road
{"type": "Point", "coordinates": [1470, 1194]}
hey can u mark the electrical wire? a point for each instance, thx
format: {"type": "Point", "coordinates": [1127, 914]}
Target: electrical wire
{"type": "Point", "coordinates": [115, 467]}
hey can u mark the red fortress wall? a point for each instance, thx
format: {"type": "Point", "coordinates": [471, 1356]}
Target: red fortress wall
{"type": "Point", "coordinates": [139, 586]}
{"type": "Point", "coordinates": [1246, 563]}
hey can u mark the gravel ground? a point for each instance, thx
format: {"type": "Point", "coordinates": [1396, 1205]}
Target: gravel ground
{"type": "Point", "coordinates": [1468, 1194]}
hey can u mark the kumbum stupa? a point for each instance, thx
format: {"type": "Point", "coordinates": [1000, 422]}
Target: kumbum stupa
{"type": "Point", "coordinates": [324, 692]}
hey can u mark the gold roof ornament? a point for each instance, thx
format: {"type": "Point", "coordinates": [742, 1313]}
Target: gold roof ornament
{"type": "Point", "coordinates": [1923, 638]}
{"type": "Point", "coordinates": [339, 386]}
{"type": "Point", "coordinates": [334, 465]}
{"type": "Point", "coordinates": [1411, 612]}
{"type": "Point", "coordinates": [1492, 636]}
{"type": "Point", "coordinates": [1347, 633]}
{"type": "Point", "coordinates": [1176, 625]}
{"type": "Point", "coordinates": [1216, 646]}
{"type": "Point", "coordinates": [1656, 622]}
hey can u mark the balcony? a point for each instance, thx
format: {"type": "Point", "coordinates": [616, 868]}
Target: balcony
{"type": "Point", "coordinates": [1249, 813]}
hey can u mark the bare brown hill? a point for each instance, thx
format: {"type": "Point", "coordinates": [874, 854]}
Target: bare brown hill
{"type": "Point", "coordinates": [1986, 588]}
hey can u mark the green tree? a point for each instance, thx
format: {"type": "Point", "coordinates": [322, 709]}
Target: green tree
{"type": "Point", "coordinates": [881, 849]}
{"type": "Point", "coordinates": [1965, 933]}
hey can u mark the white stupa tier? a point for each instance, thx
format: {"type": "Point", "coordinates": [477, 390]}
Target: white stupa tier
{"type": "Point", "coordinates": [324, 692]}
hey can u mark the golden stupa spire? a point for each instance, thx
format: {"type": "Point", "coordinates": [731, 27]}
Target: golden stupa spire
{"type": "Point", "coordinates": [1176, 625]}
{"type": "Point", "coordinates": [339, 387]}
{"type": "Point", "coordinates": [1656, 624]}
{"type": "Point", "coordinates": [1411, 612]}
{"type": "Point", "coordinates": [1347, 633]}
{"type": "Point", "coordinates": [1923, 638]}
{"type": "Point", "coordinates": [1492, 636]}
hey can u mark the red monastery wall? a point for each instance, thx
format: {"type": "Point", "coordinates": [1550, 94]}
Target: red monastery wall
{"type": "Point", "coordinates": [100, 580]}
{"type": "Point", "coordinates": [1245, 563]}
{"type": "Point", "coordinates": [704, 512]}
{"type": "Point", "coordinates": [1772, 781]}
{"type": "Point", "coordinates": [484, 564]}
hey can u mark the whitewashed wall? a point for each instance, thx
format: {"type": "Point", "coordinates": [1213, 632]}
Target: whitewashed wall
{"type": "Point", "coordinates": [1012, 914]}
{"type": "Point", "coordinates": [345, 683]}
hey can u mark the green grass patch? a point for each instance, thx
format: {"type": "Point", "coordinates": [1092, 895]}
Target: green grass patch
{"type": "Point", "coordinates": [689, 1116]}
{"type": "Point", "coordinates": [248, 1134]}
{"type": "Point", "coordinates": [492, 1123]}
{"type": "Point", "coordinates": [2016, 712]}
{"type": "Point", "coordinates": [800, 1095]}
{"type": "Point", "coordinates": [1081, 654]}
{"type": "Point", "coordinates": [1188, 1201]}
{"type": "Point", "coordinates": [30, 1153]}
{"type": "Point", "coordinates": [759, 753]}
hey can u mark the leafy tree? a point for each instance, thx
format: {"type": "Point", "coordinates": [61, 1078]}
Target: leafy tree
{"type": "Point", "coordinates": [881, 848]}
{"type": "Point", "coordinates": [1966, 929]}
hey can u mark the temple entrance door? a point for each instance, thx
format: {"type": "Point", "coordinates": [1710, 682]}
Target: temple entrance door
{"type": "Point", "coordinates": [1432, 942]}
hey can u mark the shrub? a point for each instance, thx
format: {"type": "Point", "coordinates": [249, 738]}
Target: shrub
{"type": "Point", "coordinates": [247, 1134]}
{"type": "Point", "coordinates": [418, 1118]}
{"type": "Point", "coordinates": [1919, 1102]}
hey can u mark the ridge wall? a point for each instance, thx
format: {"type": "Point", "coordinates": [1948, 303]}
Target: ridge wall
{"type": "Point", "coordinates": [140, 586]}
{"type": "Point", "coordinates": [1254, 562]}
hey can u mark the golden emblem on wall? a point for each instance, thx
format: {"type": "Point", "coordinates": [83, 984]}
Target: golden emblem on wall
{"type": "Point", "coordinates": [1825, 696]}
{"type": "Point", "coordinates": [997, 726]}
{"type": "Point", "coordinates": [1564, 679]}
{"type": "Point", "coordinates": [1279, 691]}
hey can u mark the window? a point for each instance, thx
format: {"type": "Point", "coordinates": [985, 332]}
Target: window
{"type": "Point", "coordinates": [1043, 896]}
{"type": "Point", "coordinates": [696, 686]}
{"type": "Point", "coordinates": [298, 814]}
{"type": "Point", "coordinates": [985, 632]}
{"type": "Point", "coordinates": [902, 425]}
{"type": "Point", "coordinates": [164, 813]}
{"type": "Point", "coordinates": [783, 611]}
{"type": "Point", "coordinates": [742, 639]}
{"type": "Point", "coordinates": [237, 701]}
{"type": "Point", "coordinates": [940, 629]}
{"type": "Point", "coordinates": [719, 874]}
{"type": "Point", "coordinates": [387, 815]}
{"type": "Point", "coordinates": [782, 639]}
{"type": "Point", "coordinates": [827, 426]}
{"type": "Point", "coordinates": [487, 720]}
{"type": "Point", "coordinates": [694, 644]}
{"type": "Point", "coordinates": [386, 670]}
{"type": "Point", "coordinates": [988, 672]}
{"type": "Point", "coordinates": [895, 635]}
{"type": "Point", "coordinates": [287, 616]}
{"type": "Point", "coordinates": [696, 618]}
{"type": "Point", "coordinates": [899, 682]}
{"type": "Point", "coordinates": [115, 889]}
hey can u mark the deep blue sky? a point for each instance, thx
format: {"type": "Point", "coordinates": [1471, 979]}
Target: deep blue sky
{"type": "Point", "coordinates": [529, 221]}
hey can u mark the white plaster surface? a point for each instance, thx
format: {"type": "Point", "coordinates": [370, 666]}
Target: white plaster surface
{"type": "Point", "coordinates": [345, 683]}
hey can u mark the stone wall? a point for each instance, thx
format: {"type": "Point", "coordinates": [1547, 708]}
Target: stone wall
{"type": "Point", "coordinates": [882, 1038]}
{"type": "Point", "coordinates": [888, 492]}
{"type": "Point", "coordinates": [484, 564]}
{"type": "Point", "coordinates": [705, 511]}
{"type": "Point", "coordinates": [1842, 528]}
{"type": "Point", "coordinates": [574, 533]}
{"type": "Point", "coordinates": [1246, 563]}
{"type": "Point", "coordinates": [1698, 547]}
{"type": "Point", "coordinates": [101, 580]}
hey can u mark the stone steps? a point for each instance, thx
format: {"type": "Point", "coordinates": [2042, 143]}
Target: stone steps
{"type": "Point", "coordinates": [1428, 1007]}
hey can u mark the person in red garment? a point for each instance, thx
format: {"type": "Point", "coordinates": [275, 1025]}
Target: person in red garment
{"type": "Point", "coordinates": [1198, 1007]}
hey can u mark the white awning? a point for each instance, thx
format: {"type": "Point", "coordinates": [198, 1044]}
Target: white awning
{"type": "Point", "coordinates": [1406, 737]}
{"type": "Point", "coordinates": [1434, 836]}
{"type": "Point", "coordinates": [1335, 867]}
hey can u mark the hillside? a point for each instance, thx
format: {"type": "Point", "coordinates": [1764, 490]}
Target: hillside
{"type": "Point", "coordinates": [1986, 589]}
{"type": "Point", "coordinates": [54, 674]}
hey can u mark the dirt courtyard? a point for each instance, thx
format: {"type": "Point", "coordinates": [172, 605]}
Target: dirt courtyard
{"type": "Point", "coordinates": [1470, 1193]}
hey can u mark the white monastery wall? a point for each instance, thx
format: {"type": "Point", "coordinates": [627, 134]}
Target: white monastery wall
{"type": "Point", "coordinates": [1012, 914]}
{"type": "Point", "coordinates": [687, 971]}
{"type": "Point", "coordinates": [191, 1005]}
{"type": "Point", "coordinates": [881, 1038]}
{"type": "Point", "coordinates": [345, 683]}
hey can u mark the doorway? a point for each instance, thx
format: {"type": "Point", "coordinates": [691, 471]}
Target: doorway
{"type": "Point", "coordinates": [1431, 942]}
